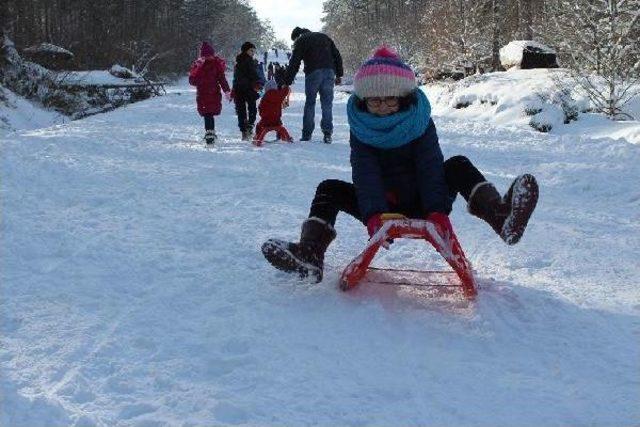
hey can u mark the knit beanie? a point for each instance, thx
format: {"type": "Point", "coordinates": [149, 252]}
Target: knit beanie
{"type": "Point", "coordinates": [246, 46]}
{"type": "Point", "coordinates": [206, 49]}
{"type": "Point", "coordinates": [297, 32]}
{"type": "Point", "coordinates": [384, 74]}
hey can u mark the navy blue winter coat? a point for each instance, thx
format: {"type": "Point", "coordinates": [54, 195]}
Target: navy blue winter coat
{"type": "Point", "coordinates": [408, 179]}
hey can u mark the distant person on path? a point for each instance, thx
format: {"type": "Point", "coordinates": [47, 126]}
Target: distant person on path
{"type": "Point", "coordinates": [246, 87]}
{"type": "Point", "coordinates": [398, 167]}
{"type": "Point", "coordinates": [207, 75]}
{"type": "Point", "coordinates": [270, 71]}
{"type": "Point", "coordinates": [323, 69]}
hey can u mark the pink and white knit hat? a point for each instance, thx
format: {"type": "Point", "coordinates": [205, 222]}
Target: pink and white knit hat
{"type": "Point", "coordinates": [384, 74]}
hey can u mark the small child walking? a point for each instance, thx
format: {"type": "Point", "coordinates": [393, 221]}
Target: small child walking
{"type": "Point", "coordinates": [207, 75]}
{"type": "Point", "coordinates": [247, 83]}
{"type": "Point", "coordinates": [276, 97]}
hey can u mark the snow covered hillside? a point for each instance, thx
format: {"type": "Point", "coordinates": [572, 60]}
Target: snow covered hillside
{"type": "Point", "coordinates": [17, 112]}
{"type": "Point", "coordinates": [133, 290]}
{"type": "Point", "coordinates": [531, 98]}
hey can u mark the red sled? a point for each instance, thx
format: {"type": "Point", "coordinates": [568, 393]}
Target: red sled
{"type": "Point", "coordinates": [396, 226]}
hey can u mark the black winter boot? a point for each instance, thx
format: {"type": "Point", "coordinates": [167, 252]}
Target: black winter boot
{"type": "Point", "coordinates": [522, 199]}
{"type": "Point", "coordinates": [306, 257]}
{"type": "Point", "coordinates": [305, 137]}
{"type": "Point", "coordinates": [508, 215]}
{"type": "Point", "coordinates": [327, 137]}
{"type": "Point", "coordinates": [210, 137]}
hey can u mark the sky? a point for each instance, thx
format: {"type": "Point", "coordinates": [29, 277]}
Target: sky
{"type": "Point", "coordinates": [296, 13]}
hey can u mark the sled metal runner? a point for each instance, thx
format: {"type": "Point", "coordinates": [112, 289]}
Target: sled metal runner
{"type": "Point", "coordinates": [396, 226]}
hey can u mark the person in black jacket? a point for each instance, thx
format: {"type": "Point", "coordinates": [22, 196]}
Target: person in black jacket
{"type": "Point", "coordinates": [246, 85]}
{"type": "Point", "coordinates": [323, 69]}
{"type": "Point", "coordinates": [398, 167]}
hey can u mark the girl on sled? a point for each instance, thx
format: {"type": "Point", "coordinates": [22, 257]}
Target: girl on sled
{"type": "Point", "coordinates": [398, 167]}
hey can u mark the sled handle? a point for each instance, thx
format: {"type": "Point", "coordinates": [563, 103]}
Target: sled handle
{"type": "Point", "coordinates": [390, 216]}
{"type": "Point", "coordinates": [401, 227]}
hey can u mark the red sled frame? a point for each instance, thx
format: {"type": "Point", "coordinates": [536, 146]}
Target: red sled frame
{"type": "Point", "coordinates": [396, 226]}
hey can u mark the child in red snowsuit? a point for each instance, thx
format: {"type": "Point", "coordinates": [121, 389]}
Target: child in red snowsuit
{"type": "Point", "coordinates": [274, 100]}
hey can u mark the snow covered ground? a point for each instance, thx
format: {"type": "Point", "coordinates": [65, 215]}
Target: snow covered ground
{"type": "Point", "coordinates": [133, 290]}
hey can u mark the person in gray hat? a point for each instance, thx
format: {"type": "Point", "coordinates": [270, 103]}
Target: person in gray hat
{"type": "Point", "coordinates": [323, 69]}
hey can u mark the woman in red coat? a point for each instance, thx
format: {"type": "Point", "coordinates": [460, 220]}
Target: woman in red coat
{"type": "Point", "coordinates": [207, 75]}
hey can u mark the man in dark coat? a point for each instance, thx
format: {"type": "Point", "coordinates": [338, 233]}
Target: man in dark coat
{"type": "Point", "coordinates": [323, 69]}
{"type": "Point", "coordinates": [246, 85]}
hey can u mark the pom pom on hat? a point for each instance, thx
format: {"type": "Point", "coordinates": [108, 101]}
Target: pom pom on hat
{"type": "Point", "coordinates": [384, 74]}
{"type": "Point", "coordinates": [206, 49]}
{"type": "Point", "coordinates": [385, 51]}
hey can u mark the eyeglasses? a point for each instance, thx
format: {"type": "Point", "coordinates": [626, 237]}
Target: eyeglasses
{"type": "Point", "coordinates": [390, 101]}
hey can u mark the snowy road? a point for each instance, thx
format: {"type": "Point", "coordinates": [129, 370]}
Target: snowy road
{"type": "Point", "coordinates": [133, 291]}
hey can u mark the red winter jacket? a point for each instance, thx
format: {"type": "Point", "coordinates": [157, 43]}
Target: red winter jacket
{"type": "Point", "coordinates": [207, 74]}
{"type": "Point", "coordinates": [270, 107]}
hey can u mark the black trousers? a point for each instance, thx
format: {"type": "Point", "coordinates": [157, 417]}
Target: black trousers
{"type": "Point", "coordinates": [333, 196]}
{"type": "Point", "coordinates": [209, 122]}
{"type": "Point", "coordinates": [246, 110]}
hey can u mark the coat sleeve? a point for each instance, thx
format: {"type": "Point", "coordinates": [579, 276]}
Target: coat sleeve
{"type": "Point", "coordinates": [367, 178]}
{"type": "Point", "coordinates": [294, 62]}
{"type": "Point", "coordinates": [337, 59]}
{"type": "Point", "coordinates": [222, 81]}
{"type": "Point", "coordinates": [221, 78]}
{"type": "Point", "coordinates": [195, 73]}
{"type": "Point", "coordinates": [429, 163]}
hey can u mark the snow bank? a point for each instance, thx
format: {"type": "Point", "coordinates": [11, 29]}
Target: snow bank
{"type": "Point", "coordinates": [529, 98]}
{"type": "Point", "coordinates": [18, 113]}
{"type": "Point", "coordinates": [90, 78]}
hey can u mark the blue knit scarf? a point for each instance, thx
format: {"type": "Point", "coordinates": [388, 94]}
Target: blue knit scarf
{"type": "Point", "coordinates": [390, 131]}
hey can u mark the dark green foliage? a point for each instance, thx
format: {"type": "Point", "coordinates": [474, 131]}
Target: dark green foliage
{"type": "Point", "coordinates": [161, 36]}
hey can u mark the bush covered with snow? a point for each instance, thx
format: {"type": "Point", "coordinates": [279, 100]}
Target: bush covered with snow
{"type": "Point", "coordinates": [119, 71]}
{"type": "Point", "coordinates": [73, 93]}
{"type": "Point", "coordinates": [543, 99]}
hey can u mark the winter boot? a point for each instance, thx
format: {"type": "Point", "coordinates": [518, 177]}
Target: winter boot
{"type": "Point", "coordinates": [327, 137]}
{"type": "Point", "coordinates": [250, 134]}
{"type": "Point", "coordinates": [508, 215]}
{"type": "Point", "coordinates": [210, 137]}
{"type": "Point", "coordinates": [306, 257]}
{"type": "Point", "coordinates": [305, 137]}
{"type": "Point", "coordinates": [521, 199]}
